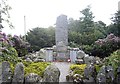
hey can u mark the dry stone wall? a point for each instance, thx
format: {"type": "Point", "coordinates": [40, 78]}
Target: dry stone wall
{"type": "Point", "coordinates": [51, 74]}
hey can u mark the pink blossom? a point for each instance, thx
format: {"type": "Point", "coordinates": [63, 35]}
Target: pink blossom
{"type": "Point", "coordinates": [109, 38]}
{"type": "Point", "coordinates": [2, 39]}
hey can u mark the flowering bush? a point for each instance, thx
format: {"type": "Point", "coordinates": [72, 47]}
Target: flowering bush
{"type": "Point", "coordinates": [111, 38]}
{"type": "Point", "coordinates": [21, 46]}
{"type": "Point", "coordinates": [104, 47]}
{"type": "Point", "coordinates": [7, 51]}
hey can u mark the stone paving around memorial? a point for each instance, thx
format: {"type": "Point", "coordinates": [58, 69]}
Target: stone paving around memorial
{"type": "Point", "coordinates": [64, 69]}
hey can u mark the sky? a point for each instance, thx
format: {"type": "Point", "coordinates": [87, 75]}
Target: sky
{"type": "Point", "coordinates": [43, 13]}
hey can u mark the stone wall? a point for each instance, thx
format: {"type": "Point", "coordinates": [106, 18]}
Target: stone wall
{"type": "Point", "coordinates": [51, 74]}
{"type": "Point", "coordinates": [106, 75]}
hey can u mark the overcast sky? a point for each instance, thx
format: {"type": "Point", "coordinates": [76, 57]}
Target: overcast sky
{"type": "Point", "coordinates": [43, 13]}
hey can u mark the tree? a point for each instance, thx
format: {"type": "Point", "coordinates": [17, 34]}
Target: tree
{"type": "Point", "coordinates": [85, 23]}
{"type": "Point", "coordinates": [4, 13]}
{"type": "Point", "coordinates": [112, 28]}
{"type": "Point", "coordinates": [85, 31]}
{"type": "Point", "coordinates": [101, 27]}
{"type": "Point", "coordinates": [115, 27]}
{"type": "Point", "coordinates": [41, 37]}
{"type": "Point", "coordinates": [87, 19]}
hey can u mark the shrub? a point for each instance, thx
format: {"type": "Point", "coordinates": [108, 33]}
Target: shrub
{"type": "Point", "coordinates": [104, 47]}
{"type": "Point", "coordinates": [21, 46]}
{"type": "Point", "coordinates": [9, 54]}
{"type": "Point", "coordinates": [7, 51]}
{"type": "Point", "coordinates": [37, 68]}
{"type": "Point", "coordinates": [87, 48]}
{"type": "Point", "coordinates": [113, 59]}
{"type": "Point", "coordinates": [78, 69]}
{"type": "Point", "coordinates": [32, 67]}
{"type": "Point", "coordinates": [97, 67]}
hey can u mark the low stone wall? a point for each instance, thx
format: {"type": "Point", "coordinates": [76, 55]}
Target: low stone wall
{"type": "Point", "coordinates": [106, 75]}
{"type": "Point", "coordinates": [51, 74]}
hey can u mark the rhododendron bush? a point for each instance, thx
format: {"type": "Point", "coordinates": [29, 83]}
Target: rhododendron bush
{"type": "Point", "coordinates": [104, 47]}
{"type": "Point", "coordinates": [7, 51]}
{"type": "Point", "coordinates": [11, 47]}
{"type": "Point", "coordinates": [21, 46]}
{"type": "Point", "coordinates": [111, 38]}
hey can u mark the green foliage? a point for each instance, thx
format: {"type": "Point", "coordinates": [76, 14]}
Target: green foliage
{"type": "Point", "coordinates": [104, 47]}
{"type": "Point", "coordinates": [41, 37]}
{"type": "Point", "coordinates": [37, 68]}
{"type": "Point", "coordinates": [31, 67]}
{"type": "Point", "coordinates": [12, 66]}
{"type": "Point", "coordinates": [9, 54]}
{"type": "Point", "coordinates": [74, 45]}
{"type": "Point", "coordinates": [112, 28]}
{"type": "Point", "coordinates": [78, 69]}
{"type": "Point", "coordinates": [115, 27]}
{"type": "Point", "coordinates": [87, 49]}
{"type": "Point", "coordinates": [114, 60]}
{"type": "Point", "coordinates": [4, 10]}
{"type": "Point", "coordinates": [20, 45]}
{"type": "Point", "coordinates": [97, 67]}
{"type": "Point", "coordinates": [85, 31]}
{"type": "Point", "coordinates": [7, 51]}
{"type": "Point", "coordinates": [87, 19]}
{"type": "Point", "coordinates": [82, 33]}
{"type": "Point", "coordinates": [74, 38]}
{"type": "Point", "coordinates": [11, 48]}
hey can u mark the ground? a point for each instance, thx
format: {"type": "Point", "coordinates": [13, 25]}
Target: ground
{"type": "Point", "coordinates": [64, 69]}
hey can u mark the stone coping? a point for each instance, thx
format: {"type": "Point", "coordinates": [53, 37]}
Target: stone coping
{"type": "Point", "coordinates": [75, 49]}
{"type": "Point", "coordinates": [48, 48]}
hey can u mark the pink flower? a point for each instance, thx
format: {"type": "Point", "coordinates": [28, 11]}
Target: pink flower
{"type": "Point", "coordinates": [110, 36]}
{"type": "Point", "coordinates": [4, 34]}
{"type": "Point", "coordinates": [15, 36]}
{"type": "Point", "coordinates": [1, 33]}
{"type": "Point", "coordinates": [2, 39]}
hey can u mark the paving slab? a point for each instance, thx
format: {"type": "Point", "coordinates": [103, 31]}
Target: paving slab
{"type": "Point", "coordinates": [64, 69]}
